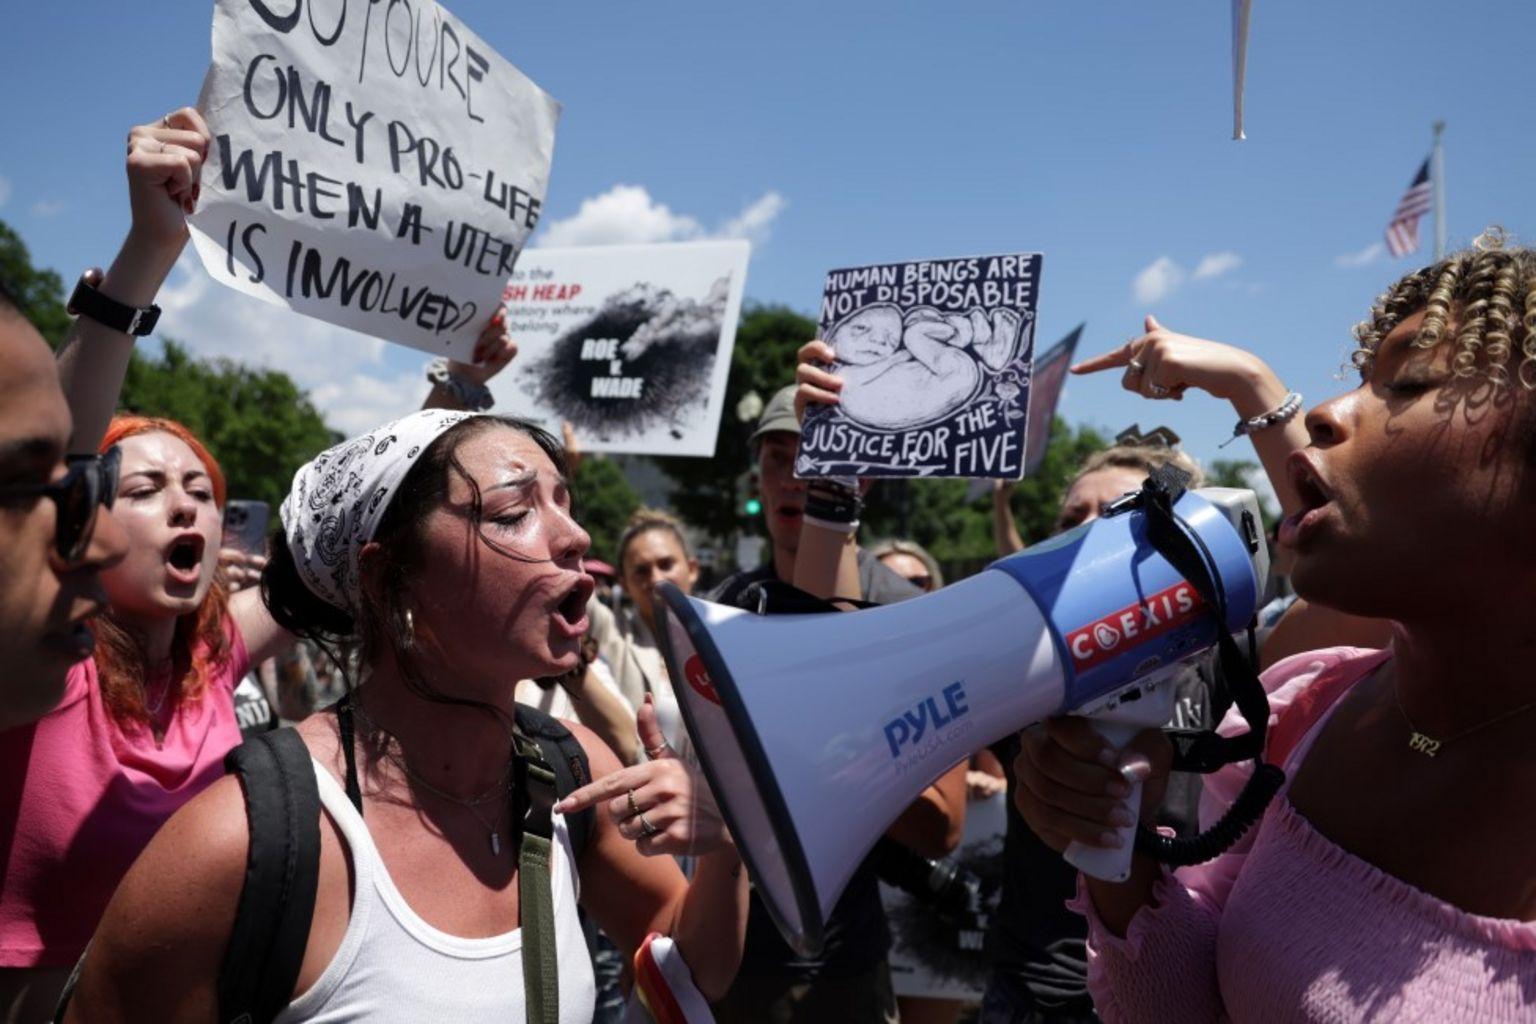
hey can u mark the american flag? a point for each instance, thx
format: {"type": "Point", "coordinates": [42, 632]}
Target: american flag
{"type": "Point", "coordinates": [1403, 230]}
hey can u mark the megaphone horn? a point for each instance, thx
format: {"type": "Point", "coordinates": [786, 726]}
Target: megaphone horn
{"type": "Point", "coordinates": [816, 731]}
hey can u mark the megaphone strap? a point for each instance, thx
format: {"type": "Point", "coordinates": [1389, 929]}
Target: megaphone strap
{"type": "Point", "coordinates": [1205, 750]}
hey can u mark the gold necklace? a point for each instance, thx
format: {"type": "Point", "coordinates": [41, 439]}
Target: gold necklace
{"type": "Point", "coordinates": [1422, 743]}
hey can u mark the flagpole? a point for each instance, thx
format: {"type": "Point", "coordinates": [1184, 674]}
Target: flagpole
{"type": "Point", "coordinates": [1437, 172]}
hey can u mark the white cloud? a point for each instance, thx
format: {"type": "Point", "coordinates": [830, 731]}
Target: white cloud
{"type": "Point", "coordinates": [1217, 263]}
{"type": "Point", "coordinates": [1158, 280]}
{"type": "Point", "coordinates": [5, 189]}
{"type": "Point", "coordinates": [754, 221]}
{"type": "Point", "coordinates": [1350, 260]}
{"type": "Point", "coordinates": [623, 214]}
{"type": "Point", "coordinates": [343, 371]}
{"type": "Point", "coordinates": [627, 214]}
{"type": "Point", "coordinates": [48, 207]}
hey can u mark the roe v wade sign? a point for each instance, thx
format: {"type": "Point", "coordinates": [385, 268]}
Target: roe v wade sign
{"type": "Point", "coordinates": [374, 164]}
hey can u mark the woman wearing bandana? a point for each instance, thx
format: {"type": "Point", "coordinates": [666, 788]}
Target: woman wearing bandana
{"type": "Point", "coordinates": [444, 544]}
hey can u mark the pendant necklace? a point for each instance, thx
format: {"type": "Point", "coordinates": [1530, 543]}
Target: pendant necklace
{"type": "Point", "coordinates": [470, 804]}
{"type": "Point", "coordinates": [1422, 743]}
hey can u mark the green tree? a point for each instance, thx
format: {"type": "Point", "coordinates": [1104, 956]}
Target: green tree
{"type": "Point", "coordinates": [605, 503]}
{"type": "Point", "coordinates": [257, 423]}
{"type": "Point", "coordinates": [39, 292]}
{"type": "Point", "coordinates": [708, 493]}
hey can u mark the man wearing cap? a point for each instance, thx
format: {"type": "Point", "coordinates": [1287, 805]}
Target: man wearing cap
{"type": "Point", "coordinates": [849, 980]}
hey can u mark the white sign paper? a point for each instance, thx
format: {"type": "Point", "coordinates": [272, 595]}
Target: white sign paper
{"type": "Point", "coordinates": [629, 343]}
{"type": "Point", "coordinates": [375, 165]}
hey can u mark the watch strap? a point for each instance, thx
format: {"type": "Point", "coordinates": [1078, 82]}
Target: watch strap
{"type": "Point", "coordinates": [107, 311]}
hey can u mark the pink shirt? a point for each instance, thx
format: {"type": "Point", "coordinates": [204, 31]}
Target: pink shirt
{"type": "Point", "coordinates": [1290, 927]}
{"type": "Point", "coordinates": [79, 799]}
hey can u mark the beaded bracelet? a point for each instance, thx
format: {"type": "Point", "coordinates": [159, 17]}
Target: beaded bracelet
{"type": "Point", "coordinates": [1286, 410]}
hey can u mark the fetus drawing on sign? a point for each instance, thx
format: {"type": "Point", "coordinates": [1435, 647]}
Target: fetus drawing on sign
{"type": "Point", "coordinates": [904, 372]}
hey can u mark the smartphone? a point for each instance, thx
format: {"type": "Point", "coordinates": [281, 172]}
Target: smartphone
{"type": "Point", "coordinates": [245, 526]}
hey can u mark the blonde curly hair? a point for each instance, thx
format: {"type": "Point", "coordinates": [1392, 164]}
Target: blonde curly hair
{"type": "Point", "coordinates": [1489, 289]}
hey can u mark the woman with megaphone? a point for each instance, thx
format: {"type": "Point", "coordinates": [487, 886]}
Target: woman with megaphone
{"type": "Point", "coordinates": [1391, 877]}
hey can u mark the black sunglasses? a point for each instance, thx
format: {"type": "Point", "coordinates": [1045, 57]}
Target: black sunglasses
{"type": "Point", "coordinates": [89, 483]}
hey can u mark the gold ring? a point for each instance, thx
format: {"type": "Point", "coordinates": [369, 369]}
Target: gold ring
{"type": "Point", "coordinates": [646, 828]}
{"type": "Point", "coordinates": [634, 808]}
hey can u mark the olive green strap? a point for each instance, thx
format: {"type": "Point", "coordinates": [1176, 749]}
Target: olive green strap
{"type": "Point", "coordinates": [541, 973]}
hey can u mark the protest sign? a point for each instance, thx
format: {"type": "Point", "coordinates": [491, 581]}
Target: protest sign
{"type": "Point", "coordinates": [374, 164]}
{"type": "Point", "coordinates": [935, 362]}
{"type": "Point", "coordinates": [629, 343]}
{"type": "Point", "coordinates": [941, 955]}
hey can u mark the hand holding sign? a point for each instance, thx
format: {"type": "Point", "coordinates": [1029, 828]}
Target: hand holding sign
{"type": "Point", "coordinates": [816, 384]}
{"type": "Point", "coordinates": [494, 350]}
{"type": "Point", "coordinates": [664, 805]}
{"type": "Point", "coordinates": [165, 162]}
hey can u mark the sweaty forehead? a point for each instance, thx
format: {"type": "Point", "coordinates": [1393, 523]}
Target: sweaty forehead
{"type": "Point", "coordinates": [504, 458]}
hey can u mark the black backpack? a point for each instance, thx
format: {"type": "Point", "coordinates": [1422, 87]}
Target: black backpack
{"type": "Point", "coordinates": [277, 902]}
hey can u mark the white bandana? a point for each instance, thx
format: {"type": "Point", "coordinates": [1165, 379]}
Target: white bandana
{"type": "Point", "coordinates": [339, 497]}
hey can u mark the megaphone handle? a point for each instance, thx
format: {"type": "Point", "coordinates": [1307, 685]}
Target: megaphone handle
{"type": "Point", "coordinates": [1111, 865]}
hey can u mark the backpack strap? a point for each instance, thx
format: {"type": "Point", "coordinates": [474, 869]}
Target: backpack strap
{"type": "Point", "coordinates": [564, 753]}
{"type": "Point", "coordinates": [266, 945]}
{"type": "Point", "coordinates": [534, 793]}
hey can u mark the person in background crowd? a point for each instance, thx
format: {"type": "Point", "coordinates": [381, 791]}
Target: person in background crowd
{"type": "Point", "coordinates": [908, 559]}
{"type": "Point", "coordinates": [464, 577]}
{"type": "Point", "coordinates": [56, 532]}
{"type": "Point", "coordinates": [652, 549]}
{"type": "Point", "coordinates": [850, 979]}
{"type": "Point", "coordinates": [146, 720]}
{"type": "Point", "coordinates": [1390, 878]}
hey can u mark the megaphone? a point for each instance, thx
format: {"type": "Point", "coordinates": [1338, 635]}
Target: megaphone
{"type": "Point", "coordinates": [816, 731]}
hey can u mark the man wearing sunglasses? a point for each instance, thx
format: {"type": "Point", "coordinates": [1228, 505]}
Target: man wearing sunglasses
{"type": "Point", "coordinates": [56, 530]}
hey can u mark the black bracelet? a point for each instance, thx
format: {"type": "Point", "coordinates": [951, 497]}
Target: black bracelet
{"type": "Point", "coordinates": [832, 501]}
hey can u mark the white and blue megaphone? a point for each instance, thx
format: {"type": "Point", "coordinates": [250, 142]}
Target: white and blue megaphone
{"type": "Point", "coordinates": [817, 731]}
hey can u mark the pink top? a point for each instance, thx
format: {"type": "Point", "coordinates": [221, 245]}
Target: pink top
{"type": "Point", "coordinates": [79, 799]}
{"type": "Point", "coordinates": [1288, 926]}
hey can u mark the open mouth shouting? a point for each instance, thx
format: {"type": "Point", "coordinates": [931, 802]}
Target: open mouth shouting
{"type": "Point", "coordinates": [184, 558]}
{"type": "Point", "coordinates": [1316, 499]}
{"type": "Point", "coordinates": [570, 611]}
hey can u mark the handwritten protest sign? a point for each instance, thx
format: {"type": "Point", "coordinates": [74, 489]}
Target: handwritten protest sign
{"type": "Point", "coordinates": [630, 343]}
{"type": "Point", "coordinates": [375, 164]}
{"type": "Point", "coordinates": [935, 362]}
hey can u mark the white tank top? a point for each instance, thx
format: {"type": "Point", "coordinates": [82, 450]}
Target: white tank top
{"type": "Point", "coordinates": [392, 966]}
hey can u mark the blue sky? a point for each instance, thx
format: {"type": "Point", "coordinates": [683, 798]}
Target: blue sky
{"type": "Point", "coordinates": [839, 133]}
